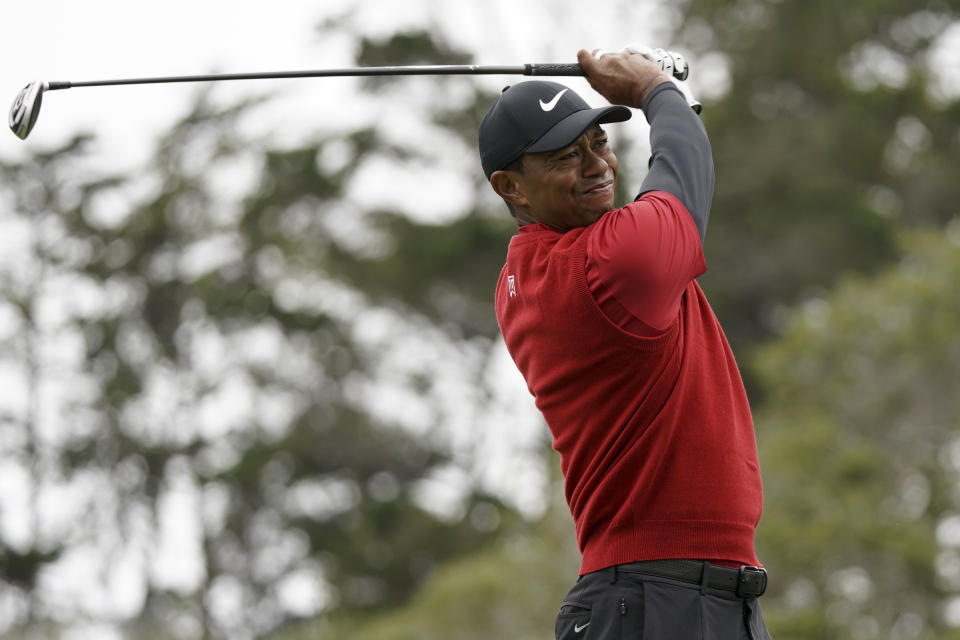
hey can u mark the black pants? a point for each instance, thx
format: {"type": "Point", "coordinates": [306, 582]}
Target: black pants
{"type": "Point", "coordinates": [615, 605]}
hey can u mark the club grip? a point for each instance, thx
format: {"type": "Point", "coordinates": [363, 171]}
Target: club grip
{"type": "Point", "coordinates": [551, 69]}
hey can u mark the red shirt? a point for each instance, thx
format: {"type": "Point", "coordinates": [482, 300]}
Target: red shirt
{"type": "Point", "coordinates": [637, 384]}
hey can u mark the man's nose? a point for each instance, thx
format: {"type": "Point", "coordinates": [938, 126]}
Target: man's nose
{"type": "Point", "coordinates": [594, 163]}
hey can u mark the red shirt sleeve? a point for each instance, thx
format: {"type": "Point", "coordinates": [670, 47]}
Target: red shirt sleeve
{"type": "Point", "coordinates": [640, 260]}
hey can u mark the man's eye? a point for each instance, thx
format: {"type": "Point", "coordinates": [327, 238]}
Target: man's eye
{"type": "Point", "coordinates": [601, 142]}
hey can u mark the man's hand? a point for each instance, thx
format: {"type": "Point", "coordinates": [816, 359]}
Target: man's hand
{"type": "Point", "coordinates": [622, 78]}
{"type": "Point", "coordinates": [672, 63]}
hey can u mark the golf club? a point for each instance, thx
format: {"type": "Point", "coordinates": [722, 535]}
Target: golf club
{"type": "Point", "coordinates": [26, 106]}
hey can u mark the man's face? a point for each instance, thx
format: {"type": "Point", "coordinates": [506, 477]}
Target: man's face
{"type": "Point", "coordinates": [570, 187]}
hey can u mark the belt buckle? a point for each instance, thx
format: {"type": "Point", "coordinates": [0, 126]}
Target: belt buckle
{"type": "Point", "coordinates": [751, 581]}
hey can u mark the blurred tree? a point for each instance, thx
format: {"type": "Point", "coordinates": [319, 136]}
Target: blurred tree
{"type": "Point", "coordinates": [512, 589]}
{"type": "Point", "coordinates": [859, 439]}
{"type": "Point", "coordinates": [253, 416]}
{"type": "Point", "coordinates": [31, 266]}
{"type": "Point", "coordinates": [829, 133]}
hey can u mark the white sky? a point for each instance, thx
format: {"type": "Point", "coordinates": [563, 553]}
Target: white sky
{"type": "Point", "coordinates": [107, 39]}
{"type": "Point", "coordinates": [97, 39]}
{"type": "Point", "coordinates": [101, 39]}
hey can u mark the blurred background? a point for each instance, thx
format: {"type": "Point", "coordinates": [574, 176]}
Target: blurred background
{"type": "Point", "coordinates": [251, 383]}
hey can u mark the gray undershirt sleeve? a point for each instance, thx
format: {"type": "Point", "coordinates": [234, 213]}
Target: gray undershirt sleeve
{"type": "Point", "coordinates": [681, 161]}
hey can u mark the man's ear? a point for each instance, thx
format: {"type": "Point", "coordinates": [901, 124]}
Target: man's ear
{"type": "Point", "coordinates": [507, 185]}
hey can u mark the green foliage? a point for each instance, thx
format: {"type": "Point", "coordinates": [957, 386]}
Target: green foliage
{"type": "Point", "coordinates": [822, 151]}
{"type": "Point", "coordinates": [513, 589]}
{"type": "Point", "coordinates": [856, 435]}
{"type": "Point", "coordinates": [409, 48]}
{"type": "Point", "coordinates": [20, 569]}
{"type": "Point", "coordinates": [220, 357]}
{"type": "Point", "coordinates": [461, 262]}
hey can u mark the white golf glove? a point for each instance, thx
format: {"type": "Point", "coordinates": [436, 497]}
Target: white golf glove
{"type": "Point", "coordinates": [673, 64]}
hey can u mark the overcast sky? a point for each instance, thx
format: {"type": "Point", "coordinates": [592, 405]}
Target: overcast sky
{"type": "Point", "coordinates": [98, 39]}
{"type": "Point", "coordinates": [106, 39]}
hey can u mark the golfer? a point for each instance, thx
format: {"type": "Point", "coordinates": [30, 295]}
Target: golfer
{"type": "Point", "coordinates": [601, 312]}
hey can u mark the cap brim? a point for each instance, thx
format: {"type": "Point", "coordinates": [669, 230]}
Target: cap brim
{"type": "Point", "coordinates": [573, 126]}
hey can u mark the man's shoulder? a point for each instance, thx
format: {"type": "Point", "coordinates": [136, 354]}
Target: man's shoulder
{"type": "Point", "coordinates": [544, 239]}
{"type": "Point", "coordinates": [652, 213]}
{"type": "Point", "coordinates": [654, 202]}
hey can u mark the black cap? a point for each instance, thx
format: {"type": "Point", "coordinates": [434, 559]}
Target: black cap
{"type": "Point", "coordinates": [537, 116]}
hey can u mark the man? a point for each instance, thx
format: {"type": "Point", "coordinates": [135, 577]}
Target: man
{"type": "Point", "coordinates": [601, 312]}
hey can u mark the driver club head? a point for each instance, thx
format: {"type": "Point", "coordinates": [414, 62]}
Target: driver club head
{"type": "Point", "coordinates": [26, 108]}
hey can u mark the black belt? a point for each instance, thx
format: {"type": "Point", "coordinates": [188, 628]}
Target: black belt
{"type": "Point", "coordinates": [745, 581]}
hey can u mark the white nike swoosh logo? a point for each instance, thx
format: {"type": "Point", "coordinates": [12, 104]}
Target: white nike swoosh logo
{"type": "Point", "coordinates": [578, 628]}
{"type": "Point", "coordinates": [548, 106]}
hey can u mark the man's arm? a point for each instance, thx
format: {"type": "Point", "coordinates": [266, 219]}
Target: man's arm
{"type": "Point", "coordinates": [681, 161]}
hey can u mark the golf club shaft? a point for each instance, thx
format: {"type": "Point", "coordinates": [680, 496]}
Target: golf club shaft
{"type": "Point", "coordinates": [545, 69]}
{"type": "Point", "coordinates": [26, 106]}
